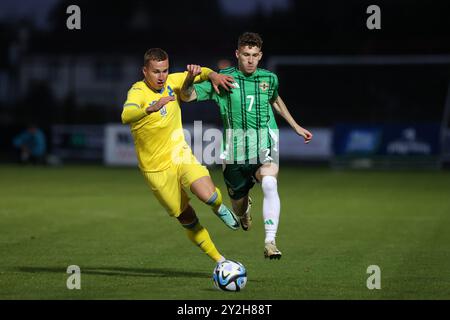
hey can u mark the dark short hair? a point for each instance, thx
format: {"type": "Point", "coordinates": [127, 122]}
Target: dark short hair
{"type": "Point", "coordinates": [250, 39]}
{"type": "Point", "coordinates": [156, 54]}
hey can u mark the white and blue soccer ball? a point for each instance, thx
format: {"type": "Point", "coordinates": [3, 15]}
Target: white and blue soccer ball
{"type": "Point", "coordinates": [230, 275]}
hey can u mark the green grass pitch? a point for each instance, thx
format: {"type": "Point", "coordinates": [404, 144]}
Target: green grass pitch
{"type": "Point", "coordinates": [334, 224]}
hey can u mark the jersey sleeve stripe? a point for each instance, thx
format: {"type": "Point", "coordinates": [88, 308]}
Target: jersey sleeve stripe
{"type": "Point", "coordinates": [131, 105]}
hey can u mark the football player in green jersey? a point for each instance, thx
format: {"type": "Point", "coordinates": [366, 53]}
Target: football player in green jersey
{"type": "Point", "coordinates": [250, 146]}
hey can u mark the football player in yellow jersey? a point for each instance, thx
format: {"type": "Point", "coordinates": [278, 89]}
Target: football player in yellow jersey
{"type": "Point", "coordinates": [153, 111]}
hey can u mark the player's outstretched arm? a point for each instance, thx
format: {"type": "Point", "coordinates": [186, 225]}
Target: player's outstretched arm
{"type": "Point", "coordinates": [217, 81]}
{"type": "Point", "coordinates": [132, 112]}
{"type": "Point", "coordinates": [282, 109]}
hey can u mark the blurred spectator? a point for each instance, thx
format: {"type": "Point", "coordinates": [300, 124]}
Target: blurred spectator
{"type": "Point", "coordinates": [223, 64]}
{"type": "Point", "coordinates": [32, 145]}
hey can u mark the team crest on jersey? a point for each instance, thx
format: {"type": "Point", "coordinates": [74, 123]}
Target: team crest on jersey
{"type": "Point", "coordinates": [163, 111]}
{"type": "Point", "coordinates": [264, 86]}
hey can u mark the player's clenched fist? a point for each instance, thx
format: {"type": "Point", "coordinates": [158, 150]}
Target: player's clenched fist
{"type": "Point", "coordinates": [304, 133]}
{"type": "Point", "coordinates": [159, 104]}
{"type": "Point", "coordinates": [194, 70]}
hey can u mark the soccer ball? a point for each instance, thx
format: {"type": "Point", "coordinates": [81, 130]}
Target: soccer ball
{"type": "Point", "coordinates": [230, 275]}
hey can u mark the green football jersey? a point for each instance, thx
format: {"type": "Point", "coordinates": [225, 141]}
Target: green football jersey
{"type": "Point", "coordinates": [250, 129]}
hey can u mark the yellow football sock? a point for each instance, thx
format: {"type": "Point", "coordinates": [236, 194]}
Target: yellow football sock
{"type": "Point", "coordinates": [200, 236]}
{"type": "Point", "coordinates": [216, 200]}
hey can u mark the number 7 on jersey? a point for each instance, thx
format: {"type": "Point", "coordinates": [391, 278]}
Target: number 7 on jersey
{"type": "Point", "coordinates": [252, 99]}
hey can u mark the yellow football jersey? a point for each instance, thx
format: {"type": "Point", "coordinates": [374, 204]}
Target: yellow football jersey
{"type": "Point", "coordinates": [157, 135]}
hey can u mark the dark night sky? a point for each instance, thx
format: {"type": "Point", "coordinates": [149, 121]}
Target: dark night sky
{"type": "Point", "coordinates": [37, 11]}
